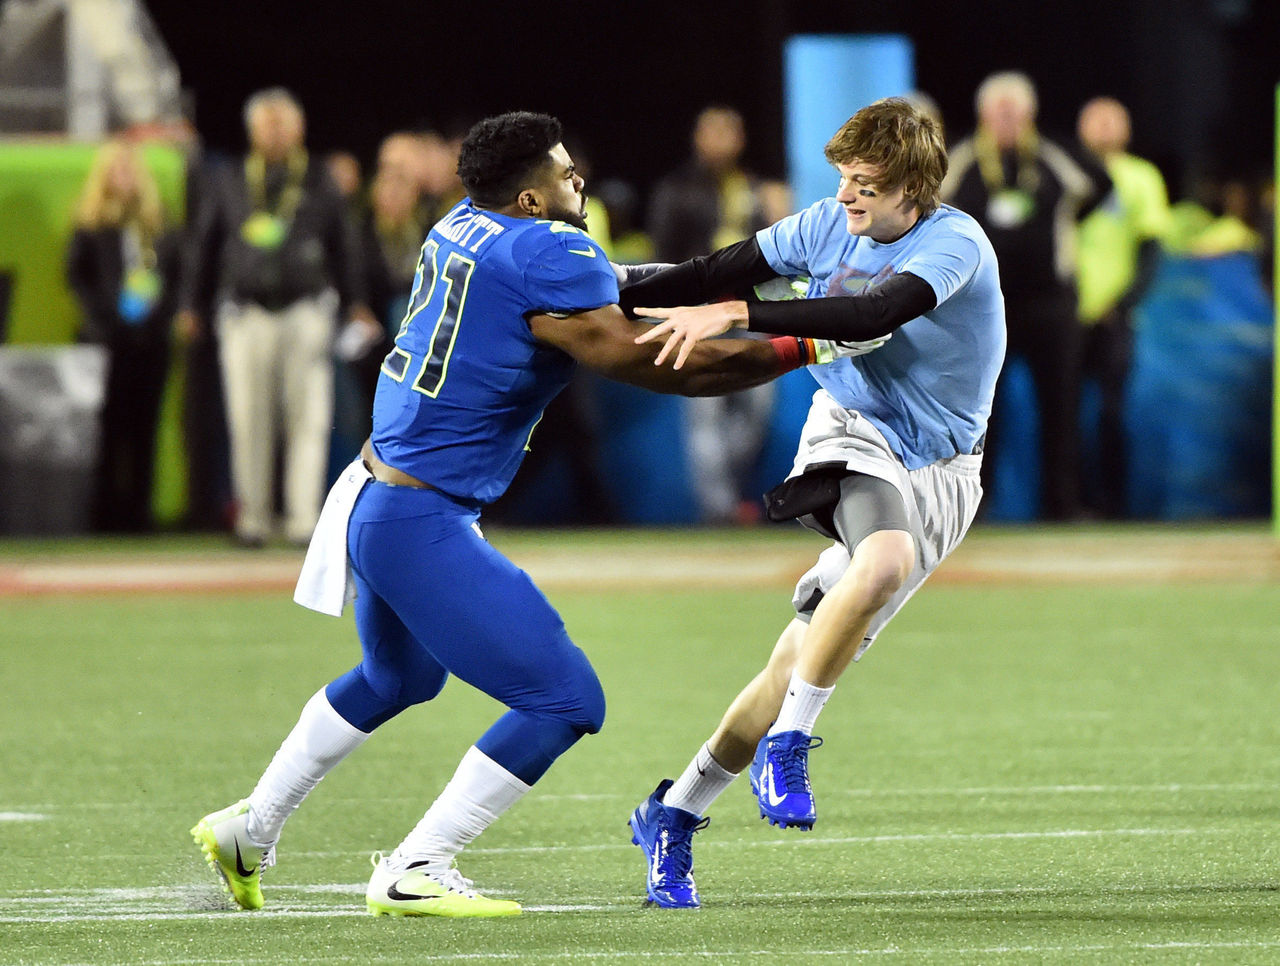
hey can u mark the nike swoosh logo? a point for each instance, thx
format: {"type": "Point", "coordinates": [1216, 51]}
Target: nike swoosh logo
{"type": "Point", "coordinates": [240, 869]}
{"type": "Point", "coordinates": [396, 894]}
{"type": "Point", "coordinates": [774, 798]}
{"type": "Point", "coordinates": [589, 252]}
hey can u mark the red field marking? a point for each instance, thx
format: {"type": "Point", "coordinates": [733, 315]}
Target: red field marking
{"type": "Point", "coordinates": [1044, 557]}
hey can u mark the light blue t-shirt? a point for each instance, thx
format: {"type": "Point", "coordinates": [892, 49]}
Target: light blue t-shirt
{"type": "Point", "coordinates": [929, 388]}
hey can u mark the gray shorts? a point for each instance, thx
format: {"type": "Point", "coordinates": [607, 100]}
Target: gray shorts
{"type": "Point", "coordinates": [939, 502]}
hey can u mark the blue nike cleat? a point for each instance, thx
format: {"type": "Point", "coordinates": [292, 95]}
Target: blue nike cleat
{"type": "Point", "coordinates": [666, 836]}
{"type": "Point", "coordinates": [780, 779]}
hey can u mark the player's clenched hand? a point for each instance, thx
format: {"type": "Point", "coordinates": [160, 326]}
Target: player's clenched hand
{"type": "Point", "coordinates": [685, 326]}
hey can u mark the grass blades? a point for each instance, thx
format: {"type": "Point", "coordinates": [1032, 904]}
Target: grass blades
{"type": "Point", "coordinates": [1027, 767]}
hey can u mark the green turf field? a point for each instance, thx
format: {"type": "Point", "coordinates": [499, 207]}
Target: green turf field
{"type": "Point", "coordinates": [1039, 765]}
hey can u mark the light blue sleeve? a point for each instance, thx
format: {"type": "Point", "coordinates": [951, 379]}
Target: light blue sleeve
{"type": "Point", "coordinates": [793, 245]}
{"type": "Point", "coordinates": [947, 263]}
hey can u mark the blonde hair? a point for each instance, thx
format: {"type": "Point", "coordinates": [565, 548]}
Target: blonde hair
{"type": "Point", "coordinates": [102, 207]}
{"type": "Point", "coordinates": [271, 96]}
{"type": "Point", "coordinates": [1012, 84]}
{"type": "Point", "coordinates": [903, 142]}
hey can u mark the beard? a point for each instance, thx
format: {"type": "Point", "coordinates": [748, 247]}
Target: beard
{"type": "Point", "coordinates": [576, 218]}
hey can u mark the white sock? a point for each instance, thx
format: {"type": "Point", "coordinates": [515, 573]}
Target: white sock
{"type": "Point", "coordinates": [479, 791]}
{"type": "Point", "coordinates": [700, 785]}
{"type": "Point", "coordinates": [801, 706]}
{"type": "Point", "coordinates": [319, 740]}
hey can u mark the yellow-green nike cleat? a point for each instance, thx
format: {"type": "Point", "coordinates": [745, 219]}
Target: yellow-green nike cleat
{"type": "Point", "coordinates": [421, 890]}
{"type": "Point", "coordinates": [228, 850]}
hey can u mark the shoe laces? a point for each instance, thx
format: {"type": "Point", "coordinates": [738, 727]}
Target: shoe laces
{"type": "Point", "coordinates": [450, 877]}
{"type": "Point", "coordinates": [791, 762]}
{"type": "Point", "coordinates": [453, 880]}
{"type": "Point", "coordinates": [675, 850]}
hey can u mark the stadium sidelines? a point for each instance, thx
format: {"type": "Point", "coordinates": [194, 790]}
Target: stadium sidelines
{"type": "Point", "coordinates": [578, 562]}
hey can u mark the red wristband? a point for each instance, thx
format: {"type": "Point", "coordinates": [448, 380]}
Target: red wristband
{"type": "Point", "coordinates": [791, 352]}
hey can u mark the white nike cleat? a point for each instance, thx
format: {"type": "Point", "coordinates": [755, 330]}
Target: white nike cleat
{"type": "Point", "coordinates": [426, 890]}
{"type": "Point", "coordinates": [237, 860]}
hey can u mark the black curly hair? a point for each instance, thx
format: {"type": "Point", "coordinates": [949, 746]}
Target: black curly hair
{"type": "Point", "coordinates": [499, 154]}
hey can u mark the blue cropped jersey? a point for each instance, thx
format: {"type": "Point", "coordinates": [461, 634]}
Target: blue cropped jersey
{"type": "Point", "coordinates": [466, 383]}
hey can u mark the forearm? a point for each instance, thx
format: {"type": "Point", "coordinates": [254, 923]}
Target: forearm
{"type": "Point", "coordinates": [715, 367]}
{"type": "Point", "coordinates": [731, 271]}
{"type": "Point", "coordinates": [855, 318]}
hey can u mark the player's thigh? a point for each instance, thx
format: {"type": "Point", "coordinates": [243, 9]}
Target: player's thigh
{"type": "Point", "coordinates": [481, 617]}
{"type": "Point", "coordinates": [516, 648]}
{"type": "Point", "coordinates": [396, 664]}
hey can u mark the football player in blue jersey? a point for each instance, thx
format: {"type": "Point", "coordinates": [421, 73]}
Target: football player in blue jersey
{"type": "Point", "coordinates": [888, 462]}
{"type": "Point", "coordinates": [510, 293]}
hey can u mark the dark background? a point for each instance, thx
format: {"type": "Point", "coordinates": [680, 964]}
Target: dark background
{"type": "Point", "coordinates": [627, 78]}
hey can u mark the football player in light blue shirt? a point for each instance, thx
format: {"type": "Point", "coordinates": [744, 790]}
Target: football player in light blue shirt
{"type": "Point", "coordinates": [888, 461]}
{"type": "Point", "coordinates": [511, 292]}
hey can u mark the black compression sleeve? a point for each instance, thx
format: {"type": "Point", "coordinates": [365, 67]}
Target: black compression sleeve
{"type": "Point", "coordinates": [854, 318]}
{"type": "Point", "coordinates": [731, 272]}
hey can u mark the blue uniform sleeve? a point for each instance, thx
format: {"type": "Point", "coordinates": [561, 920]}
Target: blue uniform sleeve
{"type": "Point", "coordinates": [946, 264]}
{"type": "Point", "coordinates": [569, 273]}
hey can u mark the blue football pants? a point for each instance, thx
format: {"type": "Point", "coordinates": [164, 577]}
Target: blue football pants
{"type": "Point", "coordinates": [434, 599]}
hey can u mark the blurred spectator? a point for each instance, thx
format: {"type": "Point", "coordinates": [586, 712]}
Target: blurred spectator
{"type": "Point", "coordinates": [1231, 228]}
{"type": "Point", "coordinates": [404, 153]}
{"type": "Point", "coordinates": [274, 235]}
{"type": "Point", "coordinates": [1118, 252]}
{"type": "Point", "coordinates": [393, 233]}
{"type": "Point", "coordinates": [1028, 194]}
{"type": "Point", "coordinates": [441, 184]}
{"type": "Point", "coordinates": [706, 204]}
{"type": "Point", "coordinates": [430, 162]}
{"type": "Point", "coordinates": [391, 237]}
{"type": "Point", "coordinates": [630, 244]}
{"type": "Point", "coordinates": [122, 266]}
{"type": "Point", "coordinates": [348, 177]}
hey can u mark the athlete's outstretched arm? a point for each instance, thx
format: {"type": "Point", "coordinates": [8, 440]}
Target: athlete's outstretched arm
{"type": "Point", "coordinates": [603, 339]}
{"type": "Point", "coordinates": [864, 317]}
{"type": "Point", "coordinates": [729, 272]}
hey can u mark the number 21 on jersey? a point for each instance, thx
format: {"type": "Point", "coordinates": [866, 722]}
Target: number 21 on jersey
{"type": "Point", "coordinates": [438, 306]}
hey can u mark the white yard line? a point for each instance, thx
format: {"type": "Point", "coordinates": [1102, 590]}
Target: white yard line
{"type": "Point", "coordinates": [134, 900]}
{"type": "Point", "coordinates": [787, 841]}
{"type": "Point", "coordinates": [142, 903]}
